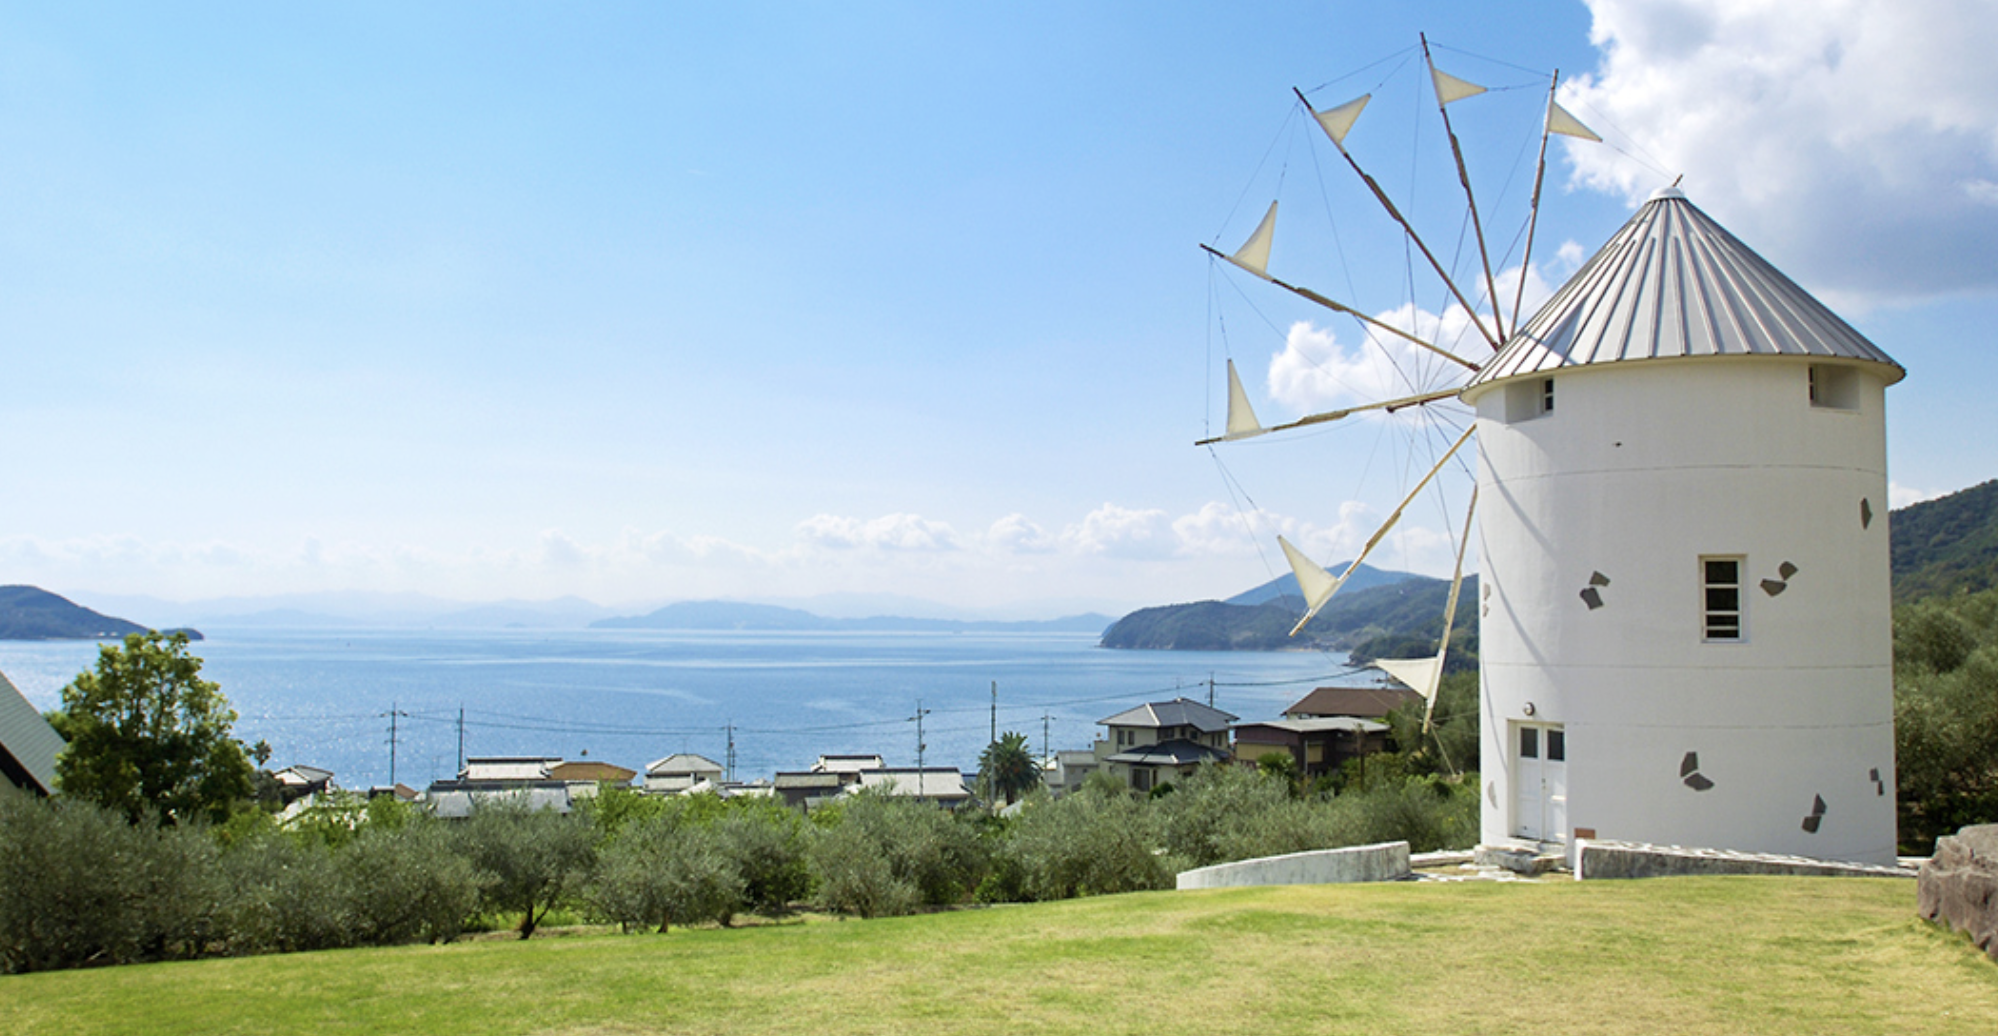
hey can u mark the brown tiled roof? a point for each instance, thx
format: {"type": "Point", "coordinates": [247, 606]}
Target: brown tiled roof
{"type": "Point", "coordinates": [1364, 702]}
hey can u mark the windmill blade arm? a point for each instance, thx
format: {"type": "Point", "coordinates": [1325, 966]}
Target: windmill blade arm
{"type": "Point", "coordinates": [1386, 404]}
{"type": "Point", "coordinates": [1314, 602]}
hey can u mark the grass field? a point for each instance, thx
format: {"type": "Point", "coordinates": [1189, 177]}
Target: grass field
{"type": "Point", "coordinates": [1681, 956]}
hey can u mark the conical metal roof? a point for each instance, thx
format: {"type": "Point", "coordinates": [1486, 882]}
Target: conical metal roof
{"type": "Point", "coordinates": [1672, 284]}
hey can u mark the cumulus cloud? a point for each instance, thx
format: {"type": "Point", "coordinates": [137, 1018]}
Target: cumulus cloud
{"type": "Point", "coordinates": [1901, 496]}
{"type": "Point", "coordinates": [1318, 370]}
{"type": "Point", "coordinates": [1122, 532]}
{"type": "Point", "coordinates": [1852, 142]}
{"type": "Point", "coordinates": [1016, 534]}
{"type": "Point", "coordinates": [894, 532]}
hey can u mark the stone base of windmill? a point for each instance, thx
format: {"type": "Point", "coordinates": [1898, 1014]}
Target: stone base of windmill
{"type": "Point", "coordinates": [1607, 859]}
{"type": "Point", "coordinates": [1958, 886]}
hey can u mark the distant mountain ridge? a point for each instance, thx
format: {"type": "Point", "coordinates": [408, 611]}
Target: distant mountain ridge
{"type": "Point", "coordinates": [712, 616]}
{"type": "Point", "coordinates": [1947, 545]}
{"type": "Point", "coordinates": [32, 613]}
{"type": "Point", "coordinates": [1377, 614]}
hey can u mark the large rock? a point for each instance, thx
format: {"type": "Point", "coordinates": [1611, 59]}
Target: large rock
{"type": "Point", "coordinates": [1958, 886]}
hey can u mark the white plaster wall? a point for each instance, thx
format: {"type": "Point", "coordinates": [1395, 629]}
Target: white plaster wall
{"type": "Point", "coordinates": [1641, 469]}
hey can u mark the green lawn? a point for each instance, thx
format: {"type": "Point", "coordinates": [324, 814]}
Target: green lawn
{"type": "Point", "coordinates": [1690, 955]}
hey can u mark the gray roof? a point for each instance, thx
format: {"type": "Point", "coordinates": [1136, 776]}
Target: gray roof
{"type": "Point", "coordinates": [1350, 724]}
{"type": "Point", "coordinates": [1177, 752]}
{"type": "Point", "coordinates": [682, 763]}
{"type": "Point", "coordinates": [28, 745]}
{"type": "Point", "coordinates": [1179, 712]}
{"type": "Point", "coordinates": [1673, 284]}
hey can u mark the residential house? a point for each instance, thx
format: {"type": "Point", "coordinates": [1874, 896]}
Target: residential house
{"type": "Point", "coordinates": [940, 785]}
{"type": "Point", "coordinates": [681, 772]}
{"type": "Point", "coordinates": [298, 782]}
{"type": "Point", "coordinates": [1067, 769]}
{"type": "Point", "coordinates": [847, 764]}
{"type": "Point", "coordinates": [1360, 702]}
{"type": "Point", "coordinates": [807, 789]}
{"type": "Point", "coordinates": [28, 745]}
{"type": "Point", "coordinates": [1155, 742]}
{"type": "Point", "coordinates": [590, 772]}
{"type": "Point", "coordinates": [1319, 746]}
{"type": "Point", "coordinates": [523, 779]}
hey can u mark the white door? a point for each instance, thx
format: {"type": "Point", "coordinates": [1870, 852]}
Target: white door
{"type": "Point", "coordinates": [1540, 782]}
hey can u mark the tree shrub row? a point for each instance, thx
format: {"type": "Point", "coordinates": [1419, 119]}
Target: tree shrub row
{"type": "Point", "coordinates": [84, 885]}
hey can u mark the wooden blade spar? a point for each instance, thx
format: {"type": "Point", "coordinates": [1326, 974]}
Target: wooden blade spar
{"type": "Point", "coordinates": [1313, 606]}
{"type": "Point", "coordinates": [1406, 227]}
{"type": "Point", "coordinates": [1464, 177]}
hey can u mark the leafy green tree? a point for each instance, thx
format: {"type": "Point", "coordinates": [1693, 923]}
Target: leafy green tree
{"type": "Point", "coordinates": [1098, 841]}
{"type": "Point", "coordinates": [147, 735]}
{"type": "Point", "coordinates": [1945, 716]}
{"type": "Point", "coordinates": [532, 858]}
{"type": "Point", "coordinates": [1008, 768]}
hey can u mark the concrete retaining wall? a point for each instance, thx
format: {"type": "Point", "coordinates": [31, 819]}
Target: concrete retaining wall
{"type": "Point", "coordinates": [1636, 860]}
{"type": "Point", "coordinates": [1385, 862]}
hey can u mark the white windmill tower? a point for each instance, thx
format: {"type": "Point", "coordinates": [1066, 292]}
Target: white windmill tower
{"type": "Point", "coordinates": [1685, 628]}
{"type": "Point", "coordinates": [1686, 632]}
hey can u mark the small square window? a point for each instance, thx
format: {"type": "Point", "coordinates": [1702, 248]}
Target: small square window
{"type": "Point", "coordinates": [1557, 746]}
{"type": "Point", "coordinates": [1529, 742]}
{"type": "Point", "coordinates": [1529, 398]}
{"type": "Point", "coordinates": [1833, 387]}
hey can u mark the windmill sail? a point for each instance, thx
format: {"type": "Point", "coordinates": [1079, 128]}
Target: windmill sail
{"type": "Point", "coordinates": [1450, 88]}
{"type": "Point", "coordinates": [1560, 121]}
{"type": "Point", "coordinates": [1424, 675]}
{"type": "Point", "coordinates": [1254, 255]}
{"type": "Point", "coordinates": [1311, 578]}
{"type": "Point", "coordinates": [1420, 674]}
{"type": "Point", "coordinates": [1337, 122]}
{"type": "Point", "coordinates": [1242, 423]}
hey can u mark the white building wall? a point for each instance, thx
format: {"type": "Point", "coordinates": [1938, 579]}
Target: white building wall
{"type": "Point", "coordinates": [1640, 470]}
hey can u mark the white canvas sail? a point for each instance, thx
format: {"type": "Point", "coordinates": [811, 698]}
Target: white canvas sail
{"type": "Point", "coordinates": [1254, 255]}
{"type": "Point", "coordinates": [1560, 121]}
{"type": "Point", "coordinates": [1337, 122]}
{"type": "Point", "coordinates": [1317, 584]}
{"type": "Point", "coordinates": [1420, 674]}
{"type": "Point", "coordinates": [1242, 423]}
{"type": "Point", "coordinates": [1450, 88]}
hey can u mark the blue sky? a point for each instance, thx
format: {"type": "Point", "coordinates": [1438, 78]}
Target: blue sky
{"type": "Point", "coordinates": [647, 302]}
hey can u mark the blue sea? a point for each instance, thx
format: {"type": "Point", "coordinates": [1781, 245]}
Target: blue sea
{"type": "Point", "coordinates": [327, 697]}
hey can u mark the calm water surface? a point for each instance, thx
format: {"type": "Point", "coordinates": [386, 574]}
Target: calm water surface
{"type": "Point", "coordinates": [323, 697]}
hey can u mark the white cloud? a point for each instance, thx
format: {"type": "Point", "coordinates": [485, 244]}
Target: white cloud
{"type": "Point", "coordinates": [1901, 496]}
{"type": "Point", "coordinates": [1317, 370]}
{"type": "Point", "coordinates": [1852, 142]}
{"type": "Point", "coordinates": [1016, 534]}
{"type": "Point", "coordinates": [896, 532]}
{"type": "Point", "coordinates": [1122, 532]}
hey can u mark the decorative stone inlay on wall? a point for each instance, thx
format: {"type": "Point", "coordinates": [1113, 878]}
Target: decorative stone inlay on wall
{"type": "Point", "coordinates": [1817, 814]}
{"type": "Point", "coordinates": [1689, 772]}
{"type": "Point", "coordinates": [1592, 594]}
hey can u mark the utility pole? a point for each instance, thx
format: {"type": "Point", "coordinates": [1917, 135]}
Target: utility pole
{"type": "Point", "coordinates": [1044, 735]}
{"type": "Point", "coordinates": [917, 719]}
{"type": "Point", "coordinates": [991, 779]}
{"type": "Point", "coordinates": [461, 737]}
{"type": "Point", "coordinates": [731, 753]}
{"type": "Point", "coordinates": [393, 714]}
{"type": "Point", "coordinates": [1210, 689]}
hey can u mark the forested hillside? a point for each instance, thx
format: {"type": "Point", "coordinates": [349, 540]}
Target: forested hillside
{"type": "Point", "coordinates": [1947, 545]}
{"type": "Point", "coordinates": [31, 613]}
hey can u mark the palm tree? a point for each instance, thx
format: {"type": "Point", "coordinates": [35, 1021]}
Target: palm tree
{"type": "Point", "coordinates": [1008, 768]}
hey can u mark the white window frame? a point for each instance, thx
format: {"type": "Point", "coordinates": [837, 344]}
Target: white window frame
{"type": "Point", "coordinates": [1709, 612]}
